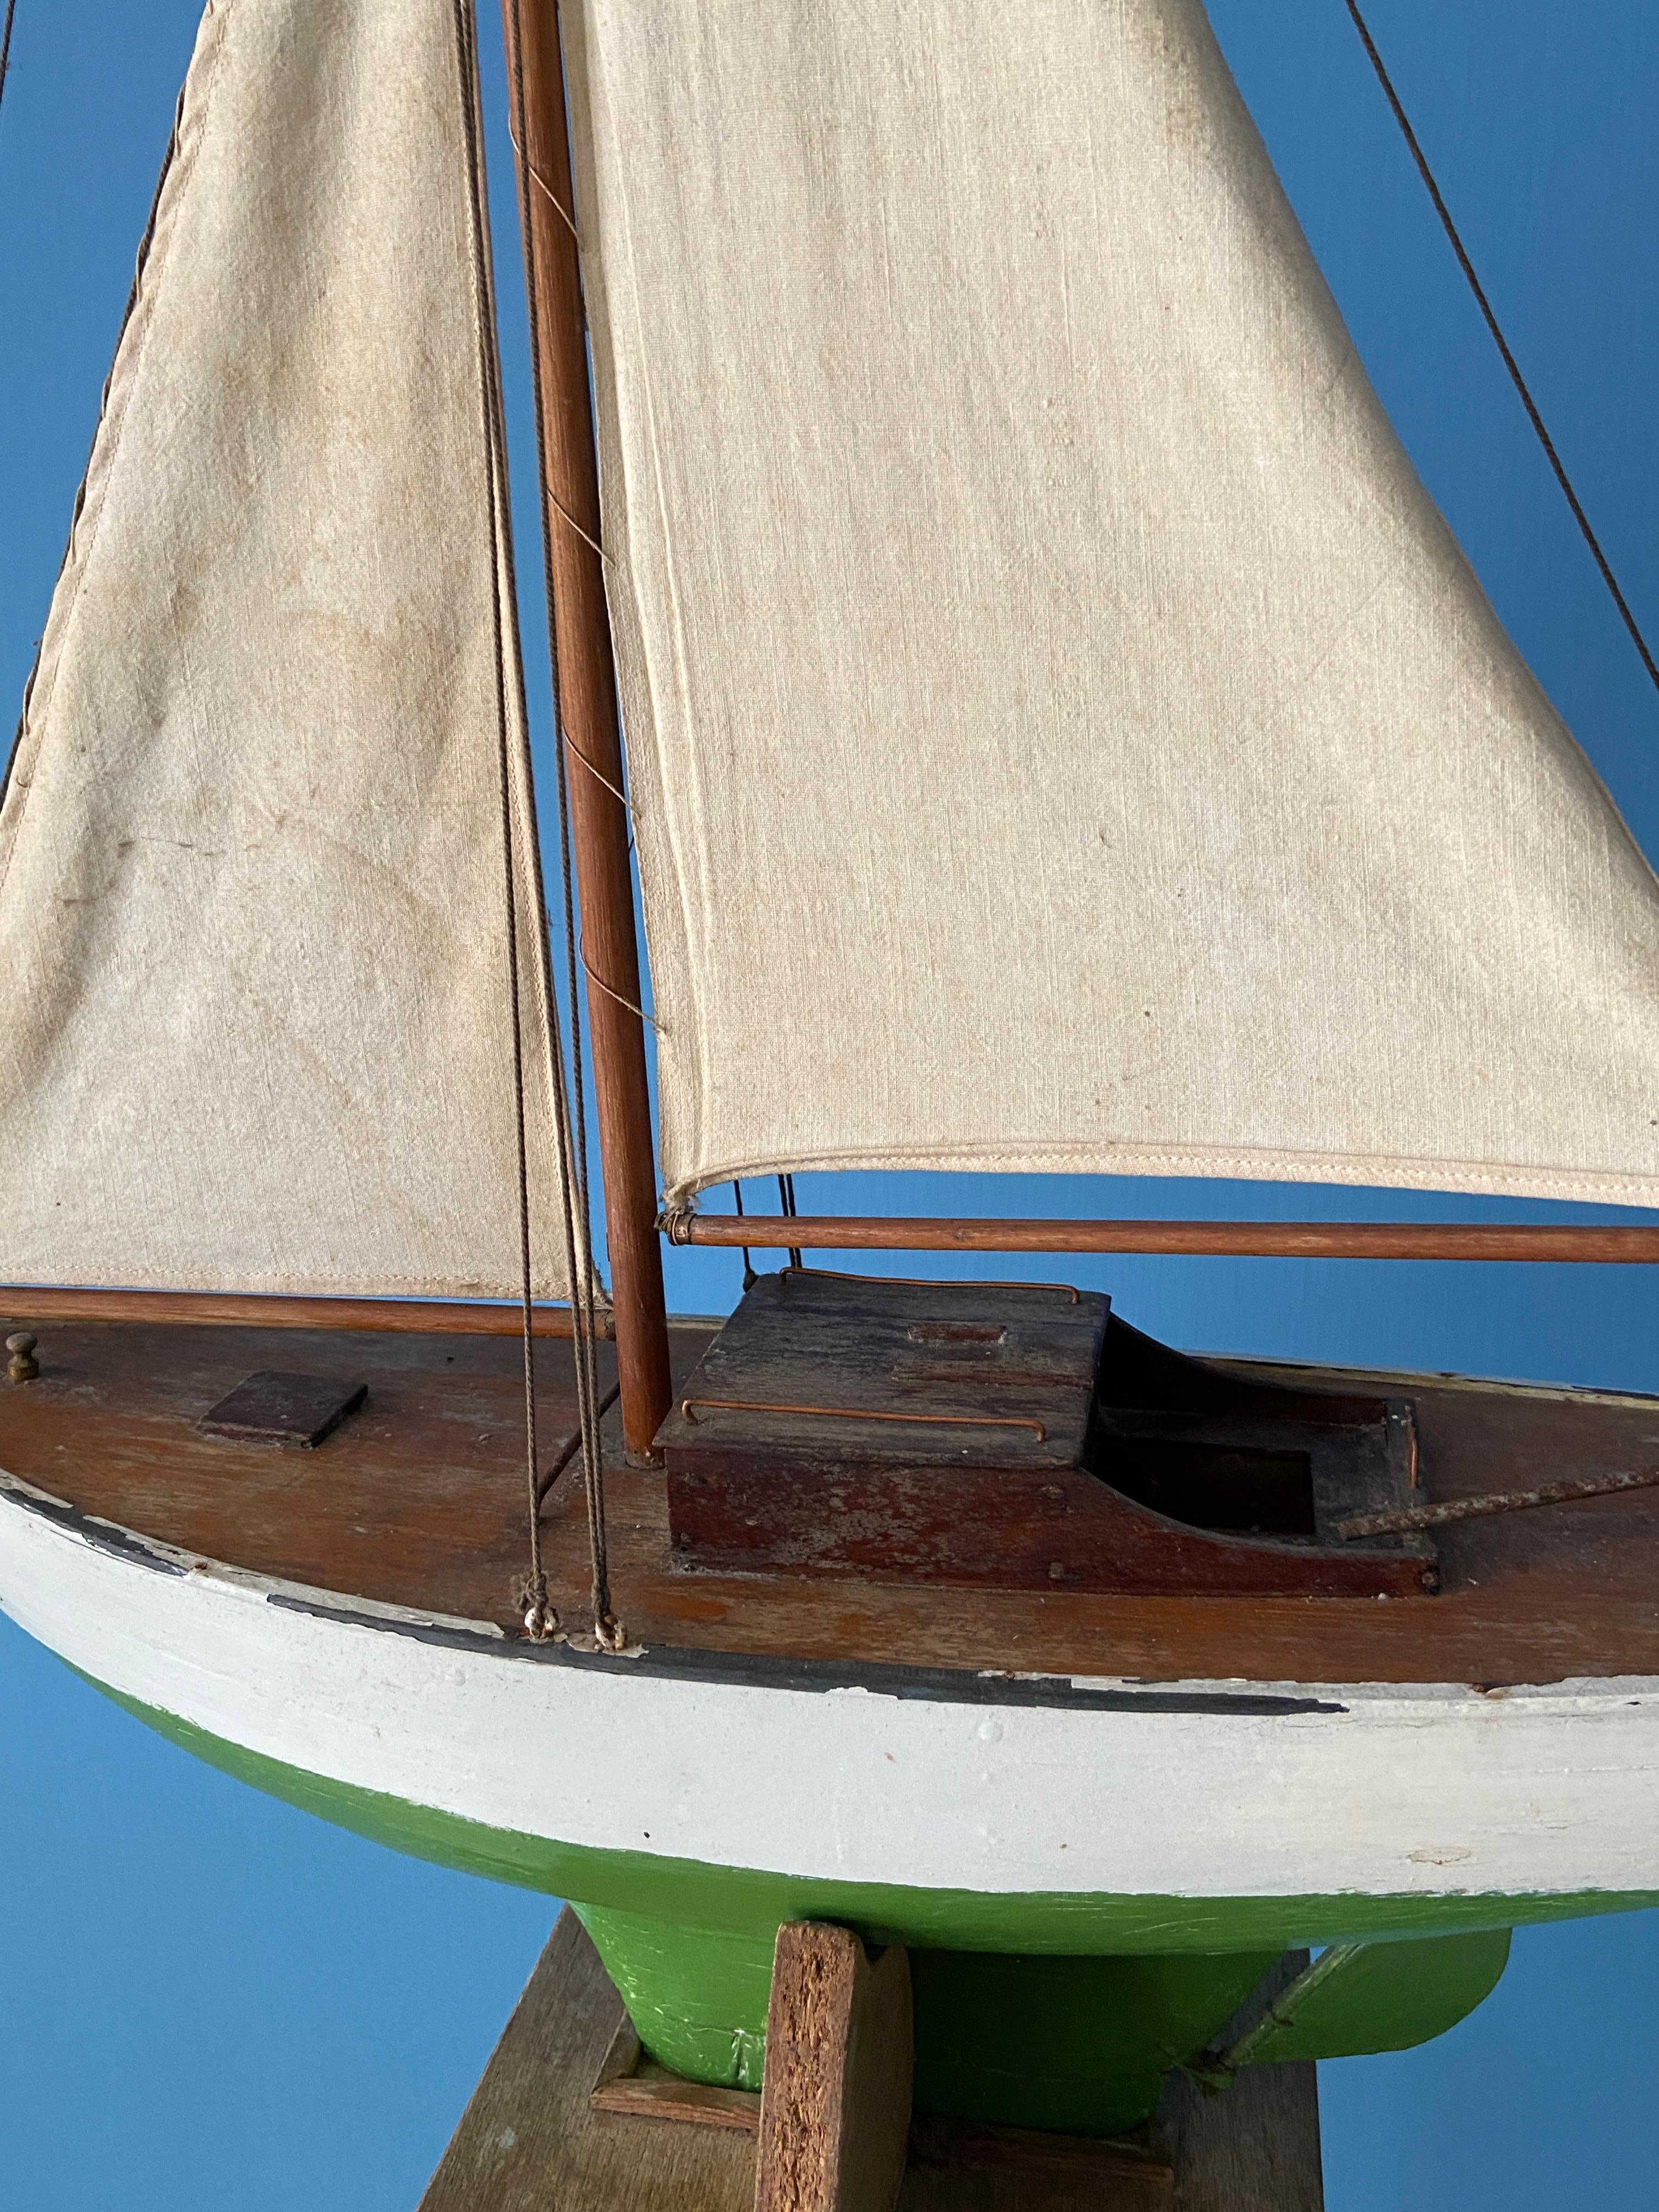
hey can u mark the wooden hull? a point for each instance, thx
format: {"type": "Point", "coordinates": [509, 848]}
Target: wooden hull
{"type": "Point", "coordinates": [692, 1794]}
{"type": "Point", "coordinates": [1023, 1813]}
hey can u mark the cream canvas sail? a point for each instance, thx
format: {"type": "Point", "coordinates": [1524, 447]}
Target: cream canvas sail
{"type": "Point", "coordinates": [256, 1024]}
{"type": "Point", "coordinates": [1063, 732]}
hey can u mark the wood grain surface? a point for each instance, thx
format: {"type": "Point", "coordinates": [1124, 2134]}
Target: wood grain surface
{"type": "Point", "coordinates": [1632, 1245]}
{"type": "Point", "coordinates": [976, 1435]}
{"type": "Point", "coordinates": [529, 2141]}
{"type": "Point", "coordinates": [419, 1500]}
{"type": "Point", "coordinates": [254, 1309]}
{"type": "Point", "coordinates": [835, 2102]}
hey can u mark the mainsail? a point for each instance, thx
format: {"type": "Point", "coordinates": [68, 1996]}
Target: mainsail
{"type": "Point", "coordinates": [253, 902]}
{"type": "Point", "coordinates": [1063, 732]}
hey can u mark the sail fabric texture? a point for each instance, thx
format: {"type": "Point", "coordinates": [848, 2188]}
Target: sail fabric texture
{"type": "Point", "coordinates": [256, 1029]}
{"type": "Point", "coordinates": [1063, 732]}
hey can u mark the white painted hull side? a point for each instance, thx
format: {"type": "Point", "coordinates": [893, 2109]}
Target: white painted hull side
{"type": "Point", "coordinates": [994, 1786]}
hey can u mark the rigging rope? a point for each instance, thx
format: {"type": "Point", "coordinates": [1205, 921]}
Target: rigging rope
{"type": "Point", "coordinates": [533, 1593]}
{"type": "Point", "coordinates": [749, 1278]}
{"type": "Point", "coordinates": [786, 1200]}
{"type": "Point", "coordinates": [1501, 342]}
{"type": "Point", "coordinates": [572, 1147]}
{"type": "Point", "coordinates": [5, 47]}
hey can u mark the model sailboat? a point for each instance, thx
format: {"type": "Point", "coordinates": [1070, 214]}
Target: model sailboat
{"type": "Point", "coordinates": [1061, 733]}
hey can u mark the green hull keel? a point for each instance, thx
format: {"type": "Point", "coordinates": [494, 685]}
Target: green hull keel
{"type": "Point", "coordinates": [1043, 2010]}
{"type": "Point", "coordinates": [1072, 2046]}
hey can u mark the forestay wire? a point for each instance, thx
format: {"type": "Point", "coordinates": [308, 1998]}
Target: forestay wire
{"type": "Point", "coordinates": [540, 1619]}
{"type": "Point", "coordinates": [572, 1136]}
{"type": "Point", "coordinates": [1501, 342]}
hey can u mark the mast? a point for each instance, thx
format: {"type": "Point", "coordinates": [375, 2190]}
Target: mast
{"type": "Point", "coordinates": [590, 735]}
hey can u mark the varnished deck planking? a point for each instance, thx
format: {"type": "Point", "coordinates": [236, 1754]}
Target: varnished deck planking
{"type": "Point", "coordinates": [426, 1481]}
{"type": "Point", "coordinates": [418, 1500]}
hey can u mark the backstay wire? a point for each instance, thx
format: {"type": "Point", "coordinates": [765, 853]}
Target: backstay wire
{"type": "Point", "coordinates": [5, 47]}
{"type": "Point", "coordinates": [1492, 325]}
{"type": "Point", "coordinates": [540, 1619]}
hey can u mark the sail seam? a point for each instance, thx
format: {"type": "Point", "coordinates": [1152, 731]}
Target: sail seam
{"type": "Point", "coordinates": [1479, 1178]}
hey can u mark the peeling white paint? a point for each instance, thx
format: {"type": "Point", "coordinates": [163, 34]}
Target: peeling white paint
{"type": "Point", "coordinates": [1426, 1790]}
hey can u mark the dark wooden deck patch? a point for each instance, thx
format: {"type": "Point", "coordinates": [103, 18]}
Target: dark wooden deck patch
{"type": "Point", "coordinates": [294, 1412]}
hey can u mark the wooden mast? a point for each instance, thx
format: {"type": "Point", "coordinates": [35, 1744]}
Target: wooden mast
{"type": "Point", "coordinates": [591, 736]}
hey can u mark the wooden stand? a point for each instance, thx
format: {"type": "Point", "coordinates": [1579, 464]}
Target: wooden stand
{"type": "Point", "coordinates": [567, 2119]}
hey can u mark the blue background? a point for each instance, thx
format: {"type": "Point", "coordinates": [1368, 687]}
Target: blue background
{"type": "Point", "coordinates": [207, 1998]}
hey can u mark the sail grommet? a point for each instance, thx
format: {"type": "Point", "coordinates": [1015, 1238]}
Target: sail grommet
{"type": "Point", "coordinates": [23, 1366]}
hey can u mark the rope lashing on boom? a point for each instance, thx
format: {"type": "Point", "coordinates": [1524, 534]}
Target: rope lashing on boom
{"type": "Point", "coordinates": [1492, 325]}
{"type": "Point", "coordinates": [608, 1631]}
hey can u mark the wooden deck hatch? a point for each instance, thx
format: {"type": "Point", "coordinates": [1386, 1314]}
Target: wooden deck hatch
{"type": "Point", "coordinates": [294, 1412]}
{"type": "Point", "coordinates": [1019, 1437]}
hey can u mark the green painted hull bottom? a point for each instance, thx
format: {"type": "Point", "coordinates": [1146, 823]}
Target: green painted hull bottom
{"type": "Point", "coordinates": [1085, 1999]}
{"type": "Point", "coordinates": [1074, 2045]}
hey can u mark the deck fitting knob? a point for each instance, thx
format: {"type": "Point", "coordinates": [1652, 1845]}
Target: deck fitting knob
{"type": "Point", "coordinates": [23, 1366]}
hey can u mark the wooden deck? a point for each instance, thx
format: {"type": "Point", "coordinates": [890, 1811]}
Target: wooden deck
{"type": "Point", "coordinates": [418, 1500]}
